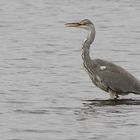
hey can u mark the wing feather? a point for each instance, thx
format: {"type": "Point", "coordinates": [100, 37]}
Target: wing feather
{"type": "Point", "coordinates": [115, 77]}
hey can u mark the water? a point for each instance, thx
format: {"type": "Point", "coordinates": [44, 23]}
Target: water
{"type": "Point", "coordinates": [43, 87]}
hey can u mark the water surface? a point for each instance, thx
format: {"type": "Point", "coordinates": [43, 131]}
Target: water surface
{"type": "Point", "coordinates": [45, 90]}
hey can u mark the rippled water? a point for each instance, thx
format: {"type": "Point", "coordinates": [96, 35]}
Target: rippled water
{"type": "Point", "coordinates": [45, 92]}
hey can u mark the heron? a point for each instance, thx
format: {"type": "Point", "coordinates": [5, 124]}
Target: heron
{"type": "Point", "coordinates": [106, 75]}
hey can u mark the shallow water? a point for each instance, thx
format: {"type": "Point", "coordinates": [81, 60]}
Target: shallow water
{"type": "Point", "coordinates": [45, 92]}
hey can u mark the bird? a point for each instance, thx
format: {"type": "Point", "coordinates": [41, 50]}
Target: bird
{"type": "Point", "coordinates": [106, 75]}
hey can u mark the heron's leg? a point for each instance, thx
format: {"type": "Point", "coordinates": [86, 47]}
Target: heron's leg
{"type": "Point", "coordinates": [116, 96]}
{"type": "Point", "coordinates": [113, 95]}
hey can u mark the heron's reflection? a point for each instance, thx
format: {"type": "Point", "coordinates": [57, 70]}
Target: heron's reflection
{"type": "Point", "coordinates": [103, 108]}
{"type": "Point", "coordinates": [113, 102]}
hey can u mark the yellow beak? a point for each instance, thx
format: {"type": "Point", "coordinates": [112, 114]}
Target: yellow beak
{"type": "Point", "coordinates": [72, 24]}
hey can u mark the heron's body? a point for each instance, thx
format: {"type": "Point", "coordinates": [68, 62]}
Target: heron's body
{"type": "Point", "coordinates": [104, 74]}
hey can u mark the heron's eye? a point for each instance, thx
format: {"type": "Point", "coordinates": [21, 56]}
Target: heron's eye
{"type": "Point", "coordinates": [82, 23]}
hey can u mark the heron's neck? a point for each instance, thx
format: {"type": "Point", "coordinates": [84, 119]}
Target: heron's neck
{"type": "Point", "coordinates": [86, 45]}
{"type": "Point", "coordinates": [90, 37]}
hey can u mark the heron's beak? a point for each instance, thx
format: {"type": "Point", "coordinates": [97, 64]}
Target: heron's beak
{"type": "Point", "coordinates": [72, 24]}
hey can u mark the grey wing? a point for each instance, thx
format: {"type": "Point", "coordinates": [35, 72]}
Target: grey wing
{"type": "Point", "coordinates": [116, 78]}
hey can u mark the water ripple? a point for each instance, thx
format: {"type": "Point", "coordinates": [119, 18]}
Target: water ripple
{"type": "Point", "coordinates": [42, 75]}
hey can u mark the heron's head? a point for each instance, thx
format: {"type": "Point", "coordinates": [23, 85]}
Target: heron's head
{"type": "Point", "coordinates": [85, 24]}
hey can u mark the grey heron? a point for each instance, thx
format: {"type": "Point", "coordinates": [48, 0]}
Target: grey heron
{"type": "Point", "coordinates": [104, 74]}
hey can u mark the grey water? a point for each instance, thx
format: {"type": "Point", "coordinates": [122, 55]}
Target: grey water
{"type": "Point", "coordinates": [45, 93]}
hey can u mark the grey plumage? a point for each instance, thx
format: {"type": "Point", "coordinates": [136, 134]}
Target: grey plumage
{"type": "Point", "coordinates": [115, 78]}
{"type": "Point", "coordinates": [104, 74]}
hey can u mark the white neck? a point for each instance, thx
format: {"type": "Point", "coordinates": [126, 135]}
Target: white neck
{"type": "Point", "coordinates": [90, 38]}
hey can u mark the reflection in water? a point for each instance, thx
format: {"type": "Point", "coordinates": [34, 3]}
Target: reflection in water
{"type": "Point", "coordinates": [100, 109]}
{"type": "Point", "coordinates": [114, 102]}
